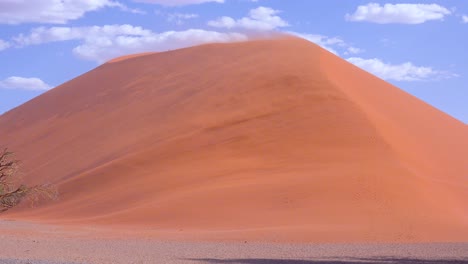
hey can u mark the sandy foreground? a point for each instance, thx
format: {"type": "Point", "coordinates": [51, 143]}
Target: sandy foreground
{"type": "Point", "coordinates": [23, 242]}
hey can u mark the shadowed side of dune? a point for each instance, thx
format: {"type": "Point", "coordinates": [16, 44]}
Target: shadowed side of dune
{"type": "Point", "coordinates": [271, 139]}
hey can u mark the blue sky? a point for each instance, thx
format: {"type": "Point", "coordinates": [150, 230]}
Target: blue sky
{"type": "Point", "coordinates": [419, 46]}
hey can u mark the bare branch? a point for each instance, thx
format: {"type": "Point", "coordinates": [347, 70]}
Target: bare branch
{"type": "Point", "coordinates": [10, 195]}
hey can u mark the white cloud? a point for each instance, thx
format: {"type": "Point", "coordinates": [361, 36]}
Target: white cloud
{"type": "Point", "coordinates": [4, 45]}
{"type": "Point", "coordinates": [42, 35]}
{"type": "Point", "coordinates": [223, 22]}
{"type": "Point", "coordinates": [398, 13]}
{"type": "Point", "coordinates": [128, 9]}
{"type": "Point", "coordinates": [179, 18]}
{"type": "Point", "coordinates": [399, 72]}
{"type": "Point", "coordinates": [22, 83]}
{"type": "Point", "coordinates": [177, 2]}
{"type": "Point", "coordinates": [332, 44]}
{"type": "Point", "coordinates": [49, 11]}
{"type": "Point", "coordinates": [353, 50]}
{"type": "Point", "coordinates": [101, 43]}
{"type": "Point", "coordinates": [328, 43]}
{"type": "Point", "coordinates": [261, 19]}
{"type": "Point", "coordinates": [465, 19]}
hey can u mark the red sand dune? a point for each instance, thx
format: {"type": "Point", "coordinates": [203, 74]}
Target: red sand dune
{"type": "Point", "coordinates": [270, 139]}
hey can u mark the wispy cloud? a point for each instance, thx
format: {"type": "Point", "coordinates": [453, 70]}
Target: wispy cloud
{"type": "Point", "coordinates": [399, 72]}
{"type": "Point", "coordinates": [398, 13]}
{"type": "Point", "coordinates": [101, 43]}
{"type": "Point", "coordinates": [4, 45]}
{"type": "Point", "coordinates": [353, 50]}
{"type": "Point", "coordinates": [22, 83]}
{"type": "Point", "coordinates": [177, 2]}
{"type": "Point", "coordinates": [465, 19]}
{"type": "Point", "coordinates": [180, 18]}
{"type": "Point", "coordinates": [125, 8]}
{"type": "Point", "coordinates": [335, 45]}
{"type": "Point", "coordinates": [49, 11]}
{"type": "Point", "coordinates": [328, 43]}
{"type": "Point", "coordinates": [260, 19]}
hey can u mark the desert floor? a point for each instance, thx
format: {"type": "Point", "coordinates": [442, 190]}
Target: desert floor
{"type": "Point", "coordinates": [23, 242]}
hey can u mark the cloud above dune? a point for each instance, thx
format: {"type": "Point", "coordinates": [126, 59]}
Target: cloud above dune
{"type": "Point", "coordinates": [465, 19]}
{"type": "Point", "coordinates": [50, 11]}
{"type": "Point", "coordinates": [178, 2]}
{"type": "Point", "coordinates": [259, 19]}
{"type": "Point", "coordinates": [398, 13]}
{"type": "Point", "coordinates": [399, 72]}
{"type": "Point", "coordinates": [335, 45]}
{"type": "Point", "coordinates": [4, 45]}
{"type": "Point", "coordinates": [101, 43]}
{"type": "Point", "coordinates": [23, 83]}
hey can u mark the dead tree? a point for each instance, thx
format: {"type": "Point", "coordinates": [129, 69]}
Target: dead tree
{"type": "Point", "coordinates": [11, 192]}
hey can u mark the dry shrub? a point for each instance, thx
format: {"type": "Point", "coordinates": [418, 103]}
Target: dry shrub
{"type": "Point", "coordinates": [11, 192]}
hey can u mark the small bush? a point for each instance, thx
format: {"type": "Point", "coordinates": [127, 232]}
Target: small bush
{"type": "Point", "coordinates": [12, 192]}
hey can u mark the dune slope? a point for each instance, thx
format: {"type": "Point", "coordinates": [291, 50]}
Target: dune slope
{"type": "Point", "coordinates": [270, 139]}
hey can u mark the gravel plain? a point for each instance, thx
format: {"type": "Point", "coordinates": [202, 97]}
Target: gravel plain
{"type": "Point", "coordinates": [26, 243]}
{"type": "Point", "coordinates": [77, 250]}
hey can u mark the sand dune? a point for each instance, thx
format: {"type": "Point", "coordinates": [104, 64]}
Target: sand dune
{"type": "Point", "coordinates": [269, 140]}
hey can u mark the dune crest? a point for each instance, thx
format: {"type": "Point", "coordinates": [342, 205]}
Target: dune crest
{"type": "Point", "coordinates": [269, 139]}
{"type": "Point", "coordinates": [126, 57]}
